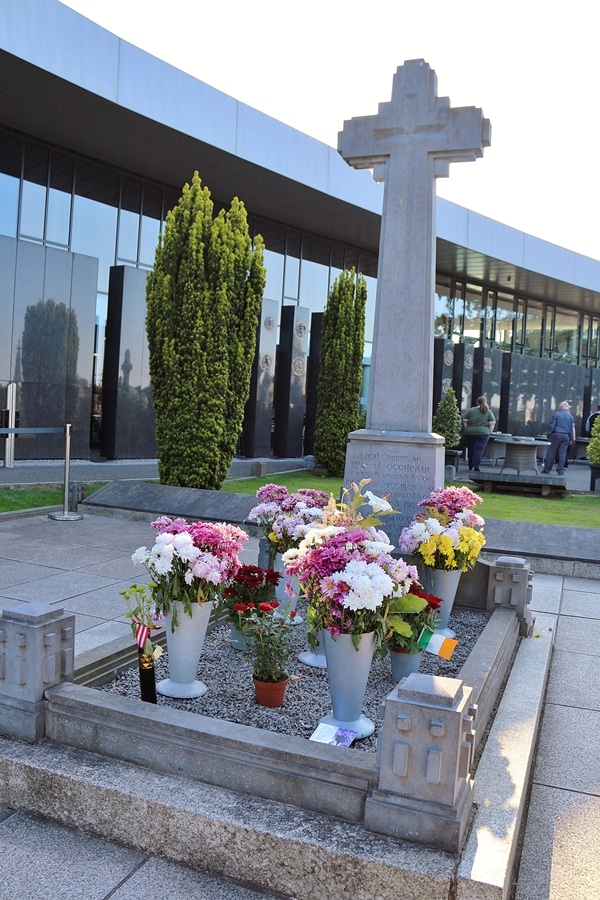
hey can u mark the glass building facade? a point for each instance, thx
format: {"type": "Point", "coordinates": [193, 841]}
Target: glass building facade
{"type": "Point", "coordinates": [56, 199]}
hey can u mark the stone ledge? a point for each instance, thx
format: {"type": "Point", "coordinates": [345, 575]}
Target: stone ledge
{"type": "Point", "coordinates": [309, 855]}
{"type": "Point", "coordinates": [502, 777]}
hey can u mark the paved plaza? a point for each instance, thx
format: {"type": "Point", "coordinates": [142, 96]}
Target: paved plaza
{"type": "Point", "coordinates": [80, 566]}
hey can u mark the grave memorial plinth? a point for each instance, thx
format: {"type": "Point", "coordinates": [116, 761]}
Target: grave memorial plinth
{"type": "Point", "coordinates": [408, 144]}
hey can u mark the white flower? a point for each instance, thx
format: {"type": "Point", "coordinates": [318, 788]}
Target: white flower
{"type": "Point", "coordinates": [378, 504]}
{"type": "Point", "coordinates": [140, 557]}
{"type": "Point", "coordinates": [183, 546]}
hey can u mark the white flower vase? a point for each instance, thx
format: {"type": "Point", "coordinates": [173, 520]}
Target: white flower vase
{"type": "Point", "coordinates": [442, 583]}
{"type": "Point", "coordinates": [315, 656]}
{"type": "Point", "coordinates": [348, 672]}
{"type": "Point", "coordinates": [184, 646]}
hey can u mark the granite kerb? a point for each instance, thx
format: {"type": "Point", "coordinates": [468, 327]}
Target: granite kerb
{"type": "Point", "coordinates": [254, 761]}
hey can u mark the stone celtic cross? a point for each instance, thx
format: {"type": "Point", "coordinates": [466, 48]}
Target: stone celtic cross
{"type": "Point", "coordinates": [411, 141]}
{"type": "Point", "coordinates": [408, 144]}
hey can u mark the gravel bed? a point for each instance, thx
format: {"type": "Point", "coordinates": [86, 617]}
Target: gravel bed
{"type": "Point", "coordinates": [228, 675]}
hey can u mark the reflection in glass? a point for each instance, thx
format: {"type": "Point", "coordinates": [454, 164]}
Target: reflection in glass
{"type": "Point", "coordinates": [150, 230]}
{"type": "Point", "coordinates": [292, 266]}
{"type": "Point", "coordinates": [274, 267]}
{"type": "Point", "coordinates": [504, 322]}
{"type": "Point", "coordinates": [566, 333]}
{"type": "Point", "coordinates": [533, 329]}
{"type": "Point", "coordinates": [129, 223]}
{"type": "Point", "coordinates": [442, 308]}
{"type": "Point", "coordinates": [33, 208]}
{"type": "Point", "coordinates": [473, 315]}
{"type": "Point", "coordinates": [313, 285]}
{"type": "Point", "coordinates": [94, 234]}
{"type": "Point", "coordinates": [9, 205]}
{"type": "Point", "coordinates": [58, 217]}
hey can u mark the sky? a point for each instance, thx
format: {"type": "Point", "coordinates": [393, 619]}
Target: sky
{"type": "Point", "coordinates": [532, 67]}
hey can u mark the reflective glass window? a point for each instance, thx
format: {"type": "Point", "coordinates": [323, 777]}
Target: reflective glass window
{"type": "Point", "coordinates": [314, 280]}
{"type": "Point", "coordinates": [442, 308]}
{"type": "Point", "coordinates": [473, 315]}
{"type": "Point", "coordinates": [457, 306]}
{"type": "Point", "coordinates": [58, 216]}
{"type": "Point", "coordinates": [94, 234]}
{"type": "Point", "coordinates": [566, 336]}
{"type": "Point", "coordinates": [274, 282]}
{"type": "Point", "coordinates": [291, 283]}
{"type": "Point", "coordinates": [504, 321]}
{"type": "Point", "coordinates": [533, 329]}
{"type": "Point", "coordinates": [338, 262]}
{"type": "Point", "coordinates": [595, 327]}
{"type": "Point", "coordinates": [150, 224]}
{"type": "Point", "coordinates": [10, 174]}
{"type": "Point", "coordinates": [33, 197]}
{"type": "Point", "coordinates": [370, 312]}
{"type": "Point", "coordinates": [129, 219]}
{"type": "Point", "coordinates": [548, 335]}
{"type": "Point", "coordinates": [9, 204]}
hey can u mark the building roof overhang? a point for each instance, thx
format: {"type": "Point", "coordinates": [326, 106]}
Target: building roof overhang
{"type": "Point", "coordinates": [143, 116]}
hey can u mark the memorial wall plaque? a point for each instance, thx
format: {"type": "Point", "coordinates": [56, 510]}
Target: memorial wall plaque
{"type": "Point", "coordinates": [487, 377]}
{"type": "Point", "coordinates": [258, 416]}
{"type": "Point", "coordinates": [464, 361]}
{"type": "Point", "coordinates": [128, 422]}
{"type": "Point", "coordinates": [443, 368]}
{"type": "Point", "coordinates": [312, 380]}
{"type": "Point", "coordinates": [290, 388]}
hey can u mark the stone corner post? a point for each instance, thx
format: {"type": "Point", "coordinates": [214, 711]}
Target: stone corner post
{"type": "Point", "coordinates": [424, 793]}
{"type": "Point", "coordinates": [509, 587]}
{"type": "Point", "coordinates": [37, 651]}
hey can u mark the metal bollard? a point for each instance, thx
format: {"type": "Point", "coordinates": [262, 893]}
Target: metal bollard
{"type": "Point", "coordinates": [65, 515]}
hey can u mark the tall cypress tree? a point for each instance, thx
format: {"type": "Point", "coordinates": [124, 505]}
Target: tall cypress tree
{"type": "Point", "coordinates": [203, 305]}
{"type": "Point", "coordinates": [340, 374]}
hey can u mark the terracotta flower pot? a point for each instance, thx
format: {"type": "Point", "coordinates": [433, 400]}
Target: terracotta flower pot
{"type": "Point", "coordinates": [270, 693]}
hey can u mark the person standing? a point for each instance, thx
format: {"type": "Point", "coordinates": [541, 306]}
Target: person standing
{"type": "Point", "coordinates": [479, 423]}
{"type": "Point", "coordinates": [561, 433]}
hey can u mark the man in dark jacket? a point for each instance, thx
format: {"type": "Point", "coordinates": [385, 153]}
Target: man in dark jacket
{"type": "Point", "coordinates": [561, 433]}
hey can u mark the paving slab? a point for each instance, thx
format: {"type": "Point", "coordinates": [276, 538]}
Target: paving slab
{"type": "Point", "coordinates": [574, 680]}
{"type": "Point", "coordinates": [567, 754]}
{"type": "Point", "coordinates": [546, 594]}
{"type": "Point", "coordinates": [561, 848]}
{"type": "Point", "coordinates": [99, 635]}
{"type": "Point", "coordinates": [33, 866]}
{"type": "Point", "coordinates": [58, 587]}
{"type": "Point", "coordinates": [576, 634]}
{"type": "Point", "coordinates": [585, 604]}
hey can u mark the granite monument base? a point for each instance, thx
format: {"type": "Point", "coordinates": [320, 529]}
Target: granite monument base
{"type": "Point", "coordinates": [404, 464]}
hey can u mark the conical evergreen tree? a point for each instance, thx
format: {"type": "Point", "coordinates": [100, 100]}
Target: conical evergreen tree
{"type": "Point", "coordinates": [340, 373]}
{"type": "Point", "coordinates": [203, 304]}
{"type": "Point", "coordinates": [447, 420]}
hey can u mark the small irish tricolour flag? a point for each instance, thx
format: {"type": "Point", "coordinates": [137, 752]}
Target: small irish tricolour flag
{"type": "Point", "coordinates": [436, 643]}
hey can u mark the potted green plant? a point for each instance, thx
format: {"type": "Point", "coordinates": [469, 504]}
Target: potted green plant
{"type": "Point", "coordinates": [266, 634]}
{"type": "Point", "coordinates": [593, 453]}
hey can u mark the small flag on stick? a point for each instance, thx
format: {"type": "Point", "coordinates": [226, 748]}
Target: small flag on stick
{"type": "Point", "coordinates": [436, 643]}
{"type": "Point", "coordinates": [142, 632]}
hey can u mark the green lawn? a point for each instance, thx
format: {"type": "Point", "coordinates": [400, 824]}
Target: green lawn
{"type": "Point", "coordinates": [576, 510]}
{"type": "Point", "coordinates": [579, 510]}
{"type": "Point", "coordinates": [13, 498]}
